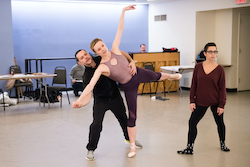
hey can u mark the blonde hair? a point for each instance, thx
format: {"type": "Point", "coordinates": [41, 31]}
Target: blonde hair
{"type": "Point", "coordinates": [92, 44]}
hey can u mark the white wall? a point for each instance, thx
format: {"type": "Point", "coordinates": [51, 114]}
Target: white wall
{"type": "Point", "coordinates": [180, 28]}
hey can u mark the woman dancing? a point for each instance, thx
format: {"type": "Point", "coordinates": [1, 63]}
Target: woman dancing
{"type": "Point", "coordinates": [115, 66]}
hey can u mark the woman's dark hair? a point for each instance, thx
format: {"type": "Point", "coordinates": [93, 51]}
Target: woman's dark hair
{"type": "Point", "coordinates": [209, 44]}
{"type": "Point", "coordinates": [78, 52]}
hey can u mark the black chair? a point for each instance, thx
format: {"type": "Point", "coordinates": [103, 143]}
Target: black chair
{"type": "Point", "coordinates": [60, 79]}
{"type": "Point", "coordinates": [149, 66]}
{"type": "Point", "coordinates": [15, 69]}
{"type": "Point", "coordinates": [200, 60]}
{"type": "Point", "coordinates": [3, 99]}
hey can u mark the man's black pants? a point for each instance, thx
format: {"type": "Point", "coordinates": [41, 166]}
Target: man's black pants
{"type": "Point", "coordinates": [101, 105]}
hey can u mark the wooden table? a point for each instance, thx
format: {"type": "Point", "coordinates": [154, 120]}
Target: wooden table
{"type": "Point", "coordinates": [177, 69]}
{"type": "Point", "coordinates": [35, 76]}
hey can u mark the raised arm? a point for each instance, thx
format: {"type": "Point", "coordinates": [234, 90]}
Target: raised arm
{"type": "Point", "coordinates": [118, 36]}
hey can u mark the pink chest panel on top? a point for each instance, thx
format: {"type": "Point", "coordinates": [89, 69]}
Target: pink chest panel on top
{"type": "Point", "coordinates": [120, 72]}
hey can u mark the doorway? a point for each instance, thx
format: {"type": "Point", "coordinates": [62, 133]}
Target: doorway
{"type": "Point", "coordinates": [244, 53]}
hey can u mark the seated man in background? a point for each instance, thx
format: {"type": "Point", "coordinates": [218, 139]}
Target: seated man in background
{"type": "Point", "coordinates": [143, 48]}
{"type": "Point", "coordinates": [76, 76]}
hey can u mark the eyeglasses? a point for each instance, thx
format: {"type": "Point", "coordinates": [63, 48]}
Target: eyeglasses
{"type": "Point", "coordinates": [210, 52]}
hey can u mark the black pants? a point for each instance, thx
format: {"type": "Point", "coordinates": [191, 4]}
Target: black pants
{"type": "Point", "coordinates": [197, 115]}
{"type": "Point", "coordinates": [77, 86]}
{"type": "Point", "coordinates": [99, 109]}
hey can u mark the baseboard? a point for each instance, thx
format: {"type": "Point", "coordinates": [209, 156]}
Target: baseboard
{"type": "Point", "coordinates": [228, 89]}
{"type": "Point", "coordinates": [231, 89]}
{"type": "Point", "coordinates": [185, 88]}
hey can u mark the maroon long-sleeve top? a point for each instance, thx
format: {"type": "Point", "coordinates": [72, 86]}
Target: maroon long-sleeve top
{"type": "Point", "coordinates": [208, 89]}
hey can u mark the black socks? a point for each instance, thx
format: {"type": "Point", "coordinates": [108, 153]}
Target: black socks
{"type": "Point", "coordinates": [188, 150]}
{"type": "Point", "coordinates": [223, 146]}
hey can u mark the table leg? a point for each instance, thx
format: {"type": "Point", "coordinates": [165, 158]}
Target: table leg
{"type": "Point", "coordinates": [46, 92]}
{"type": "Point", "coordinates": [180, 90]}
{"type": "Point", "coordinates": [171, 83]}
{"type": "Point", "coordinates": [40, 91]}
{"type": "Point", "coordinates": [3, 102]}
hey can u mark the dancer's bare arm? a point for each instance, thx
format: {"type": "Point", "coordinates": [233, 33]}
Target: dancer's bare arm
{"type": "Point", "coordinates": [84, 102]}
{"type": "Point", "coordinates": [83, 99]}
{"type": "Point", "coordinates": [116, 43]}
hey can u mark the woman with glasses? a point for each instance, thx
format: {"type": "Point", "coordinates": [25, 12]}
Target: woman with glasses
{"type": "Point", "coordinates": [207, 90]}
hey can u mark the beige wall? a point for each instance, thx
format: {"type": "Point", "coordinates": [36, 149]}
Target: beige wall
{"type": "Point", "coordinates": [205, 29]}
{"type": "Point", "coordinates": [223, 35]}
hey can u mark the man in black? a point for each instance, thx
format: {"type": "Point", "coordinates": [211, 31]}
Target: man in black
{"type": "Point", "coordinates": [106, 97]}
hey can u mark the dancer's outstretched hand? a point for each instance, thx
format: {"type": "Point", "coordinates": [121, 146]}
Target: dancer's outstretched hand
{"type": "Point", "coordinates": [82, 101]}
{"type": "Point", "coordinates": [130, 7]}
{"type": "Point", "coordinates": [76, 104]}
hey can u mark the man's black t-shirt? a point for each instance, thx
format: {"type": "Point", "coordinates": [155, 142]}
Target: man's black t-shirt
{"type": "Point", "coordinates": [105, 88]}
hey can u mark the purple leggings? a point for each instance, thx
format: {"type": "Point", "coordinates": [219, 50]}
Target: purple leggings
{"type": "Point", "coordinates": [131, 88]}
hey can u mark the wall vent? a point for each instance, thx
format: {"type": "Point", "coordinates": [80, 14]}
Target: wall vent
{"type": "Point", "coordinates": [161, 17]}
